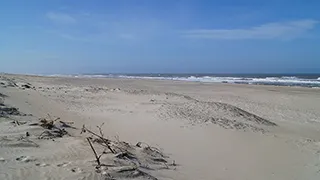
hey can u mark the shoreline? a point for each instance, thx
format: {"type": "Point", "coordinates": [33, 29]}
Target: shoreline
{"type": "Point", "coordinates": [259, 79]}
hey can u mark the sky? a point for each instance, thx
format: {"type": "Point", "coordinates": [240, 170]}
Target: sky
{"type": "Point", "coordinates": [159, 36]}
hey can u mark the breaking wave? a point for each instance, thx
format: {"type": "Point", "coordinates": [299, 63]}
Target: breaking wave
{"type": "Point", "coordinates": [279, 81]}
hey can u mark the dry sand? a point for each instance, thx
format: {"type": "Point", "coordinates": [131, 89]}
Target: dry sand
{"type": "Point", "coordinates": [203, 131]}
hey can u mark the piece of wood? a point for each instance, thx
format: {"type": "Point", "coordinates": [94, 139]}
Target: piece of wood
{"type": "Point", "coordinates": [94, 151]}
{"type": "Point", "coordinates": [106, 141]}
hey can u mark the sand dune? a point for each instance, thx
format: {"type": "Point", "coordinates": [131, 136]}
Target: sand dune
{"type": "Point", "coordinates": [222, 114]}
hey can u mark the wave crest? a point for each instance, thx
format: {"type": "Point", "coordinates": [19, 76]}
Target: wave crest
{"type": "Point", "coordinates": [280, 81]}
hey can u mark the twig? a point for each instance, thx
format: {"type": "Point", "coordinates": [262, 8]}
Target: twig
{"type": "Point", "coordinates": [106, 141]}
{"type": "Point", "coordinates": [174, 163]}
{"type": "Point", "coordinates": [84, 129]}
{"type": "Point", "coordinates": [94, 151]}
{"type": "Point", "coordinates": [16, 123]}
{"type": "Point", "coordinates": [100, 130]}
{"type": "Point", "coordinates": [49, 116]}
{"type": "Point", "coordinates": [44, 132]}
{"type": "Point", "coordinates": [53, 133]}
{"type": "Point", "coordinates": [66, 124]}
{"type": "Point", "coordinates": [103, 152]}
{"type": "Point", "coordinates": [53, 120]}
{"type": "Point", "coordinates": [117, 138]}
{"type": "Point", "coordinates": [166, 165]}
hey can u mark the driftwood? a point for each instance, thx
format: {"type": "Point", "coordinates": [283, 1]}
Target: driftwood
{"type": "Point", "coordinates": [48, 123]}
{"type": "Point", "coordinates": [50, 134]}
{"type": "Point", "coordinates": [6, 111]}
{"type": "Point", "coordinates": [129, 161]}
{"type": "Point", "coordinates": [67, 124]}
{"type": "Point", "coordinates": [94, 151]}
{"type": "Point", "coordinates": [53, 130]}
{"type": "Point", "coordinates": [103, 141]}
{"type": "Point", "coordinates": [18, 123]}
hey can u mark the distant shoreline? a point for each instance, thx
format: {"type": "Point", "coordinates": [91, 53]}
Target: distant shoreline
{"type": "Point", "coordinates": [288, 80]}
{"type": "Point", "coordinates": [300, 80]}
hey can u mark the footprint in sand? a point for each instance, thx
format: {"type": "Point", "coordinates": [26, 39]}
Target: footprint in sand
{"type": "Point", "coordinates": [25, 159]}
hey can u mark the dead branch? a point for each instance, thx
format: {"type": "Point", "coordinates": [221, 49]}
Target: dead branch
{"type": "Point", "coordinates": [56, 133]}
{"type": "Point", "coordinates": [103, 152]}
{"type": "Point", "coordinates": [94, 151]}
{"type": "Point", "coordinates": [104, 140]}
{"type": "Point", "coordinates": [84, 130]}
{"type": "Point", "coordinates": [53, 130]}
{"type": "Point", "coordinates": [166, 165]}
{"type": "Point", "coordinates": [117, 138]}
{"type": "Point", "coordinates": [18, 123]}
{"type": "Point", "coordinates": [100, 130]}
{"type": "Point", "coordinates": [173, 163]}
{"type": "Point", "coordinates": [128, 159]}
{"type": "Point", "coordinates": [67, 124]}
{"type": "Point", "coordinates": [49, 122]}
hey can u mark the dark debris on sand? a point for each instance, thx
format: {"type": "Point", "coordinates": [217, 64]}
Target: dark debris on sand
{"type": "Point", "coordinates": [3, 95]}
{"type": "Point", "coordinates": [6, 111]}
{"type": "Point", "coordinates": [127, 161]}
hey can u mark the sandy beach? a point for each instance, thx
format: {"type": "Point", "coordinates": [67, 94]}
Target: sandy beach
{"type": "Point", "coordinates": [186, 130]}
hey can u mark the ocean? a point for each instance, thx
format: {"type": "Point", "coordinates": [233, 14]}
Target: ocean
{"type": "Point", "coordinates": [305, 80]}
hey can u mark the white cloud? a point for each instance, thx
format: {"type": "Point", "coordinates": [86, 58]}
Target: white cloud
{"type": "Point", "coordinates": [60, 18]}
{"type": "Point", "coordinates": [284, 30]}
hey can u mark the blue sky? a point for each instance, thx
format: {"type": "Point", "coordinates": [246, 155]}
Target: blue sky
{"type": "Point", "coordinates": [163, 36]}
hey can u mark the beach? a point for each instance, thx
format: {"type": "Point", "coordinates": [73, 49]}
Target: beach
{"type": "Point", "coordinates": [159, 129]}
